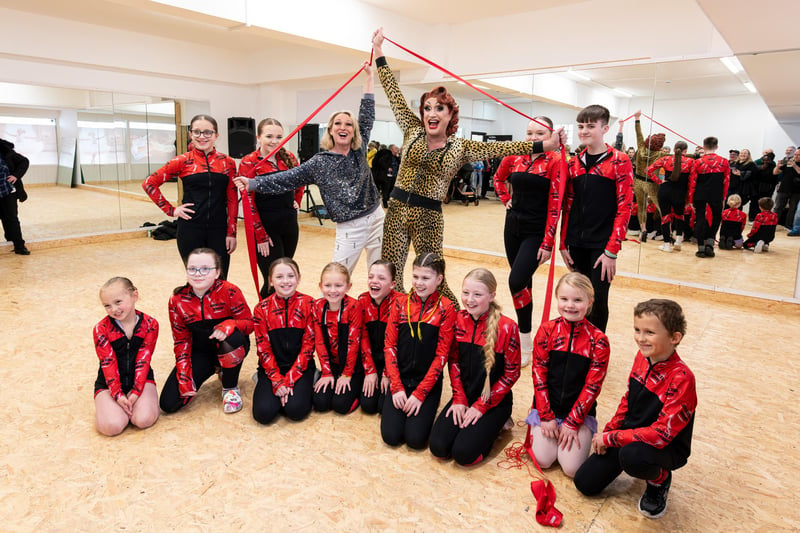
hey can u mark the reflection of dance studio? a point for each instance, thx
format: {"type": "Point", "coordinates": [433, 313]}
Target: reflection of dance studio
{"type": "Point", "coordinates": [98, 95]}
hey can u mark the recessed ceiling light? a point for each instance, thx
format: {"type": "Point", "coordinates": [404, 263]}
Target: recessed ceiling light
{"type": "Point", "coordinates": [732, 63]}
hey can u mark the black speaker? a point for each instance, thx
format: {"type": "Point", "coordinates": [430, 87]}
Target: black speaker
{"type": "Point", "coordinates": [241, 136]}
{"type": "Point", "coordinates": [309, 142]}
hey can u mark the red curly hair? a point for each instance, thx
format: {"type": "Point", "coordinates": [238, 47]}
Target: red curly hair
{"type": "Point", "coordinates": [655, 142]}
{"type": "Point", "coordinates": [445, 98]}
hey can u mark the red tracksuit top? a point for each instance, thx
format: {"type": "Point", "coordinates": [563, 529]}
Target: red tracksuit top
{"type": "Point", "coordinates": [337, 335]}
{"type": "Point", "coordinates": [373, 332]}
{"type": "Point", "coordinates": [711, 171]}
{"type": "Point", "coordinates": [418, 339]}
{"type": "Point", "coordinates": [668, 164]}
{"type": "Point", "coordinates": [222, 307]}
{"type": "Point", "coordinates": [125, 362]}
{"type": "Point", "coordinates": [535, 188]}
{"type": "Point", "coordinates": [570, 360]}
{"type": "Point", "coordinates": [658, 408]}
{"type": "Point", "coordinates": [246, 165]}
{"type": "Point", "coordinates": [735, 216]}
{"type": "Point", "coordinates": [285, 337]}
{"type": "Point", "coordinates": [207, 183]}
{"type": "Point", "coordinates": [466, 362]}
{"type": "Point", "coordinates": [597, 202]}
{"type": "Point", "coordinates": [765, 218]}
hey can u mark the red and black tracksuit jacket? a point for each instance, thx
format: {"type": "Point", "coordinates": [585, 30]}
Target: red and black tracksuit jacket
{"type": "Point", "coordinates": [668, 164]}
{"type": "Point", "coordinates": [658, 408]}
{"type": "Point", "coordinates": [535, 192]}
{"type": "Point", "coordinates": [733, 222]}
{"type": "Point", "coordinates": [207, 183]}
{"type": "Point", "coordinates": [125, 363]}
{"type": "Point", "coordinates": [467, 362]}
{"type": "Point", "coordinates": [373, 332]}
{"type": "Point", "coordinates": [570, 360]}
{"type": "Point", "coordinates": [337, 335]}
{"type": "Point", "coordinates": [418, 339]}
{"type": "Point", "coordinates": [711, 178]}
{"type": "Point", "coordinates": [597, 202]}
{"type": "Point", "coordinates": [272, 205]}
{"type": "Point", "coordinates": [285, 337]}
{"type": "Point", "coordinates": [193, 319]}
{"type": "Point", "coordinates": [763, 220]}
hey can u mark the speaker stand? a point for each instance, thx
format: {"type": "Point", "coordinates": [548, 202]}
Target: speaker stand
{"type": "Point", "coordinates": [311, 205]}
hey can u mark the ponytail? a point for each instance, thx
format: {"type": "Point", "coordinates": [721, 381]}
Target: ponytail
{"type": "Point", "coordinates": [680, 146]}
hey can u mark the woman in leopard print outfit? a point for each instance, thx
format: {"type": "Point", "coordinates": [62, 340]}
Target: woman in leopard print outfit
{"type": "Point", "coordinates": [431, 156]}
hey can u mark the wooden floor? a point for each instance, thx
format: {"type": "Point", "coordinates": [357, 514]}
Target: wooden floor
{"type": "Point", "coordinates": [202, 470]}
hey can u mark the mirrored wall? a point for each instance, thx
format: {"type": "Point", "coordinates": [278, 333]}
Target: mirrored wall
{"type": "Point", "coordinates": [89, 153]}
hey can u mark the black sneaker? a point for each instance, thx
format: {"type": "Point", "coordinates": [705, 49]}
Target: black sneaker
{"type": "Point", "coordinates": [653, 503]}
{"type": "Point", "coordinates": [709, 250]}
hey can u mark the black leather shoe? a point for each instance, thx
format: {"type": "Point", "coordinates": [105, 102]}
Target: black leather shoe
{"type": "Point", "coordinates": [22, 250]}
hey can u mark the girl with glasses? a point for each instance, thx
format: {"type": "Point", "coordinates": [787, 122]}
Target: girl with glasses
{"type": "Point", "coordinates": [207, 212]}
{"type": "Point", "coordinates": [210, 323]}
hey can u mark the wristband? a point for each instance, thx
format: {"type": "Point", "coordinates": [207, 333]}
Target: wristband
{"type": "Point", "coordinates": [380, 61]}
{"type": "Point", "coordinates": [609, 254]}
{"type": "Point", "coordinates": [538, 147]}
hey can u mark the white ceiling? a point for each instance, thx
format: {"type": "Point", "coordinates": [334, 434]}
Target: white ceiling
{"type": "Point", "coordinates": [767, 44]}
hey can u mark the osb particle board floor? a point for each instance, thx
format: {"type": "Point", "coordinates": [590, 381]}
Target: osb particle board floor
{"type": "Point", "coordinates": [203, 470]}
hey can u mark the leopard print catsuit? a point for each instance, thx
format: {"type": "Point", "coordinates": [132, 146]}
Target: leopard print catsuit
{"type": "Point", "coordinates": [426, 173]}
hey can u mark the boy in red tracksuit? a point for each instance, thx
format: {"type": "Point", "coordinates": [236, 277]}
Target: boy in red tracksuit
{"type": "Point", "coordinates": [708, 186]}
{"type": "Point", "coordinates": [597, 206]}
{"type": "Point", "coordinates": [650, 435]}
{"type": "Point", "coordinates": [763, 231]}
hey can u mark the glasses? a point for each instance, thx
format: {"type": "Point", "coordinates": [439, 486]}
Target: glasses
{"type": "Point", "coordinates": [203, 133]}
{"type": "Point", "coordinates": [203, 271]}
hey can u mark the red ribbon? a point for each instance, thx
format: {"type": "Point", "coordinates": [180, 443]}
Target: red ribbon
{"type": "Point", "coordinates": [663, 126]}
{"type": "Point", "coordinates": [261, 167]}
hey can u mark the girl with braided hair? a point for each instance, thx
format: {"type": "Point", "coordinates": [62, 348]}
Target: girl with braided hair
{"type": "Point", "coordinates": [484, 364]}
{"type": "Point", "coordinates": [274, 215]}
{"type": "Point", "coordinates": [570, 357]}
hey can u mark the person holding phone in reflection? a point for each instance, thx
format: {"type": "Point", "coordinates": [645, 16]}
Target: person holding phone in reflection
{"type": "Point", "coordinates": [207, 213]}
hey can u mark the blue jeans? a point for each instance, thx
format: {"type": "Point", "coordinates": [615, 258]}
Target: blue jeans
{"type": "Point", "coordinates": [796, 223]}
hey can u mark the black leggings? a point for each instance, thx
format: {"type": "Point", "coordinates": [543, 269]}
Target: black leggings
{"type": "Point", "coordinates": [266, 405]}
{"type": "Point", "coordinates": [373, 404]}
{"type": "Point", "coordinates": [344, 403]}
{"type": "Point", "coordinates": [284, 233]}
{"type": "Point", "coordinates": [204, 365]}
{"type": "Point", "coordinates": [396, 426]}
{"type": "Point", "coordinates": [191, 236]}
{"type": "Point", "coordinates": [672, 200]}
{"type": "Point", "coordinates": [521, 250]}
{"type": "Point", "coordinates": [638, 460]}
{"type": "Point", "coordinates": [702, 231]}
{"type": "Point", "coordinates": [583, 261]}
{"type": "Point", "coordinates": [473, 443]}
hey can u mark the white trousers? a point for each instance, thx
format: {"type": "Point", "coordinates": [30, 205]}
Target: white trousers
{"type": "Point", "coordinates": [355, 235]}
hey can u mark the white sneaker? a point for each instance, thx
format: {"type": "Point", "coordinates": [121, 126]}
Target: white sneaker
{"type": "Point", "coordinates": [652, 235]}
{"type": "Point", "coordinates": [759, 247]}
{"type": "Point", "coordinates": [666, 247]}
{"type": "Point", "coordinates": [231, 401]}
{"type": "Point", "coordinates": [634, 233]}
{"type": "Point", "coordinates": [677, 245]}
{"type": "Point", "coordinates": [766, 247]}
{"type": "Point", "coordinates": [526, 348]}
